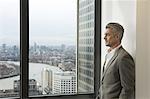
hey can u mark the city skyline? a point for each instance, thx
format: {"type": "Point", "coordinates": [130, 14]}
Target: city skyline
{"type": "Point", "coordinates": [38, 44]}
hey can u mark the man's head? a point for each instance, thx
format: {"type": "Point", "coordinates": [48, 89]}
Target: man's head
{"type": "Point", "coordinates": [113, 35]}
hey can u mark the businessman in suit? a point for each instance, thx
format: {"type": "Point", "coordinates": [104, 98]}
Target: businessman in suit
{"type": "Point", "coordinates": [118, 77]}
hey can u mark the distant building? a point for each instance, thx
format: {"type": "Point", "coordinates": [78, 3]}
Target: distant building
{"type": "Point", "coordinates": [58, 82]}
{"type": "Point", "coordinates": [8, 93]}
{"type": "Point", "coordinates": [33, 88]}
{"type": "Point", "coordinates": [63, 46]}
{"type": "Point", "coordinates": [4, 48]}
{"type": "Point", "coordinates": [46, 81]}
{"type": "Point", "coordinates": [64, 83]}
{"type": "Point", "coordinates": [3, 53]}
{"type": "Point", "coordinates": [35, 47]}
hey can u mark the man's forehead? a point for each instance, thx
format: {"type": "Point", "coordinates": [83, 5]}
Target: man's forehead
{"type": "Point", "coordinates": [108, 30]}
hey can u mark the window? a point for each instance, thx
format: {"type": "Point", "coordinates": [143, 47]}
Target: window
{"type": "Point", "coordinates": [52, 46]}
{"type": "Point", "coordinates": [34, 22]}
{"type": "Point", "coordinates": [9, 48]}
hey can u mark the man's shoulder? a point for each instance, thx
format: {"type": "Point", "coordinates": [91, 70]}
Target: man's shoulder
{"type": "Point", "coordinates": [122, 53]}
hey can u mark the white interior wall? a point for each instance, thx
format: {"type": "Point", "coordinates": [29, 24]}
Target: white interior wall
{"type": "Point", "coordinates": [123, 12]}
{"type": "Point", "coordinates": [143, 50]}
{"type": "Point", "coordinates": [134, 15]}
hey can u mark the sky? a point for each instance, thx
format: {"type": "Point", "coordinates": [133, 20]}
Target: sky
{"type": "Point", "coordinates": [51, 22]}
{"type": "Point", "coordinates": [9, 22]}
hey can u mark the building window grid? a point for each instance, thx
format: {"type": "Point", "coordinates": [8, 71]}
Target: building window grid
{"type": "Point", "coordinates": [86, 64]}
{"type": "Point", "coordinates": [86, 9]}
{"type": "Point", "coordinates": [86, 79]}
{"type": "Point", "coordinates": [87, 33]}
{"type": "Point", "coordinates": [87, 17]}
{"type": "Point", "coordinates": [87, 25]}
{"type": "Point", "coordinates": [82, 85]}
{"type": "Point", "coordinates": [86, 56]}
{"type": "Point", "coordinates": [86, 72]}
{"type": "Point", "coordinates": [86, 41]}
{"type": "Point", "coordinates": [84, 3]}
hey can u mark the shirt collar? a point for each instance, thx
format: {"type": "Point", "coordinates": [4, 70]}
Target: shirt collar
{"type": "Point", "coordinates": [113, 50]}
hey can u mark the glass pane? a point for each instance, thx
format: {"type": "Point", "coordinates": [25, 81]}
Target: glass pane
{"type": "Point", "coordinates": [9, 48]}
{"type": "Point", "coordinates": [86, 46]}
{"type": "Point", "coordinates": [52, 51]}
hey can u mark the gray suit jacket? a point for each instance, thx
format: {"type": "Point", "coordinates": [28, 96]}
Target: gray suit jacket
{"type": "Point", "coordinates": [118, 79]}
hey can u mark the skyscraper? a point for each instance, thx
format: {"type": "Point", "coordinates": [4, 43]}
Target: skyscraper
{"type": "Point", "coordinates": [86, 46]}
{"type": "Point", "coordinates": [64, 83]}
{"type": "Point", "coordinates": [56, 81]}
{"type": "Point", "coordinates": [46, 81]}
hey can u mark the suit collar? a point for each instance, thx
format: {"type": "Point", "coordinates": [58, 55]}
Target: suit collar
{"type": "Point", "coordinates": [111, 61]}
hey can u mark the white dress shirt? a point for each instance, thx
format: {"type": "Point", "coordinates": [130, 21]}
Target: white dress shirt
{"type": "Point", "coordinates": [109, 55]}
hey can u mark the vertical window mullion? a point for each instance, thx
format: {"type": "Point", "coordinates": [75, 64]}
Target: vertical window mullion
{"type": "Point", "coordinates": [97, 54]}
{"type": "Point", "coordinates": [24, 44]}
{"type": "Point", "coordinates": [77, 41]}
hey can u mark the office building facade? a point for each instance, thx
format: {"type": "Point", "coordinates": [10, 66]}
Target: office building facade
{"type": "Point", "coordinates": [86, 46]}
{"type": "Point", "coordinates": [58, 82]}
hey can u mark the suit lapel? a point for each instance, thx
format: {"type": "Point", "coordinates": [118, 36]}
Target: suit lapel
{"type": "Point", "coordinates": [110, 62]}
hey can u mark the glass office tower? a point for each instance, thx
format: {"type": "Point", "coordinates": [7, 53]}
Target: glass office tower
{"type": "Point", "coordinates": [86, 46]}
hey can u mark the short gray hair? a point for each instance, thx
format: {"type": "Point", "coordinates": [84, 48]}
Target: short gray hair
{"type": "Point", "coordinates": [116, 27]}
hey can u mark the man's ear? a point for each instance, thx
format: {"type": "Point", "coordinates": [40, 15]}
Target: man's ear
{"type": "Point", "coordinates": [117, 36]}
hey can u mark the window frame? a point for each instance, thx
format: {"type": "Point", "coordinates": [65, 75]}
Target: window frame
{"type": "Point", "coordinates": [24, 52]}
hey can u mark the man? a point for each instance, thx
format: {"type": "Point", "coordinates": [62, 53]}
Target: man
{"type": "Point", "coordinates": [118, 77]}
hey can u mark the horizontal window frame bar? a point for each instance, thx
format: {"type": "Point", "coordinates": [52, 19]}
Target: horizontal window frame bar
{"type": "Point", "coordinates": [75, 96]}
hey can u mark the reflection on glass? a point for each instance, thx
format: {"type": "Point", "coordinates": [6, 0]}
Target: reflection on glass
{"type": "Point", "coordinates": [9, 48]}
{"type": "Point", "coordinates": [52, 51]}
{"type": "Point", "coordinates": [86, 46]}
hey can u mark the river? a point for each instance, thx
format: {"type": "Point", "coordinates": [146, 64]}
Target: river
{"type": "Point", "coordinates": [35, 72]}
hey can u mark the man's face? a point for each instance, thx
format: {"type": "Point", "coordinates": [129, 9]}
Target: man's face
{"type": "Point", "coordinates": [110, 38]}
